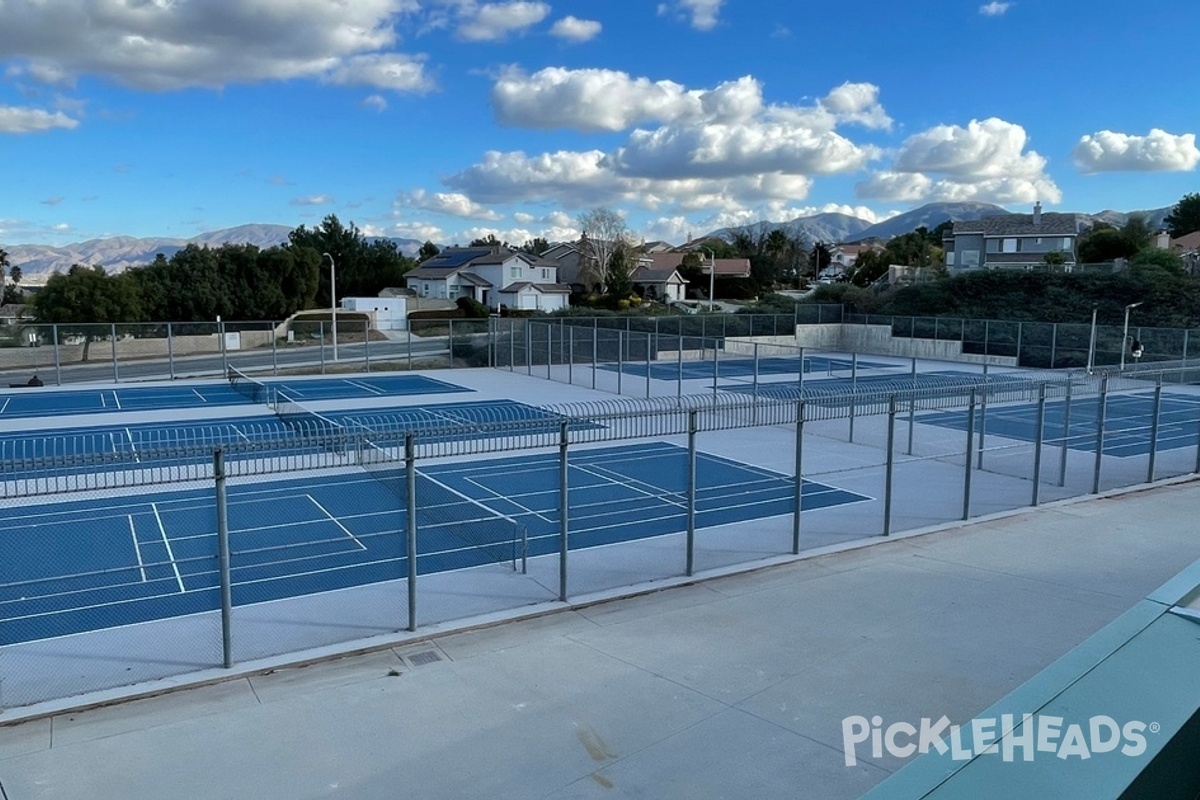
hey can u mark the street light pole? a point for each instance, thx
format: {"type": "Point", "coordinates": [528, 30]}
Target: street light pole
{"type": "Point", "coordinates": [1092, 341]}
{"type": "Point", "coordinates": [712, 276]}
{"type": "Point", "coordinates": [1125, 333]}
{"type": "Point", "coordinates": [333, 299]}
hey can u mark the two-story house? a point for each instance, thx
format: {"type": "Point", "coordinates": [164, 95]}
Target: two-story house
{"type": "Point", "coordinates": [494, 276]}
{"type": "Point", "coordinates": [1011, 241]}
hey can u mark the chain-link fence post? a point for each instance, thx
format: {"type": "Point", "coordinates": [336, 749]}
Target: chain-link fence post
{"type": "Point", "coordinates": [620, 359]}
{"type": "Point", "coordinates": [171, 353]}
{"type": "Point", "coordinates": [679, 364]}
{"type": "Point", "coordinates": [1101, 413]}
{"type": "Point", "coordinates": [889, 466]}
{"type": "Point", "coordinates": [563, 503]}
{"type": "Point", "coordinates": [966, 513]}
{"type": "Point", "coordinates": [853, 392]}
{"type": "Point", "coordinates": [1053, 343]}
{"type": "Point", "coordinates": [274, 348]}
{"type": "Point", "coordinates": [113, 340]}
{"type": "Point", "coordinates": [320, 330]}
{"type": "Point", "coordinates": [367, 347]}
{"type": "Point", "coordinates": [410, 538]}
{"type": "Point", "coordinates": [1062, 459]}
{"type": "Point", "coordinates": [716, 367]}
{"type": "Point", "coordinates": [57, 358]}
{"type": "Point", "coordinates": [1155, 414]}
{"type": "Point", "coordinates": [648, 366]}
{"type": "Point", "coordinates": [983, 406]}
{"type": "Point", "coordinates": [223, 559]}
{"type": "Point", "coordinates": [691, 494]}
{"type": "Point", "coordinates": [912, 404]}
{"type": "Point", "coordinates": [571, 355]}
{"type": "Point", "coordinates": [409, 340]}
{"type": "Point", "coordinates": [798, 482]}
{"type": "Point", "coordinates": [1039, 433]}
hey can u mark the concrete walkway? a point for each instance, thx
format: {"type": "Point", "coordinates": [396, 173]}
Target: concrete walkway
{"type": "Point", "coordinates": [733, 687]}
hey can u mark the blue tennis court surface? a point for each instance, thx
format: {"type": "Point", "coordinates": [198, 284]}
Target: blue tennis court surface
{"type": "Point", "coordinates": [731, 367]}
{"type": "Point", "coordinates": [45, 403]}
{"type": "Point", "coordinates": [132, 444]}
{"type": "Point", "coordinates": [1127, 422]}
{"type": "Point", "coordinates": [813, 390]}
{"type": "Point", "coordinates": [99, 563]}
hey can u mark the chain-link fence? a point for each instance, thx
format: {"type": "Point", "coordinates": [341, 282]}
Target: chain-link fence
{"type": "Point", "coordinates": [174, 554]}
{"type": "Point", "coordinates": [1045, 345]}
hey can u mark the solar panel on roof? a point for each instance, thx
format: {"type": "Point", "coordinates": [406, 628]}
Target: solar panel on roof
{"type": "Point", "coordinates": [455, 258]}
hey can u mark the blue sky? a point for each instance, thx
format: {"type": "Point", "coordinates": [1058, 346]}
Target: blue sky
{"type": "Point", "coordinates": [451, 119]}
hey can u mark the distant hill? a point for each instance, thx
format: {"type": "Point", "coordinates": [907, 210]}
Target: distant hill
{"type": "Point", "coordinates": [841, 228]}
{"type": "Point", "coordinates": [817, 228]}
{"type": "Point", "coordinates": [930, 215]}
{"type": "Point", "coordinates": [116, 254]}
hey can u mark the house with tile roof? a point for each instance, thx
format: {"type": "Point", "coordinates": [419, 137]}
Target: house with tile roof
{"type": "Point", "coordinates": [494, 276]}
{"type": "Point", "coordinates": [1011, 241]}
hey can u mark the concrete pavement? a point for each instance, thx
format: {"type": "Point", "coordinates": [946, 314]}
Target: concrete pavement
{"type": "Point", "coordinates": [730, 687]}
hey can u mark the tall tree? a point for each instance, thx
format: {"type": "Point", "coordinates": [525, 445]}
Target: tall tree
{"type": "Point", "coordinates": [1185, 216]}
{"type": "Point", "coordinates": [604, 232]}
{"type": "Point", "coordinates": [618, 281]}
{"type": "Point", "coordinates": [363, 267]}
{"type": "Point", "coordinates": [535, 246]}
{"type": "Point", "coordinates": [428, 251]}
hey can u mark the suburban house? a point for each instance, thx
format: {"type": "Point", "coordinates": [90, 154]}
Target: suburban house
{"type": "Point", "coordinates": [571, 264]}
{"type": "Point", "coordinates": [665, 285]}
{"type": "Point", "coordinates": [1011, 241]}
{"type": "Point", "coordinates": [495, 276]}
{"type": "Point", "coordinates": [843, 256]}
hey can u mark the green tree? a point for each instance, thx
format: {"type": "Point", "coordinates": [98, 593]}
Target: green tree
{"type": "Point", "coordinates": [87, 294]}
{"type": "Point", "coordinates": [489, 241]}
{"type": "Point", "coordinates": [363, 267]}
{"type": "Point", "coordinates": [535, 246]}
{"type": "Point", "coordinates": [427, 251]}
{"type": "Point", "coordinates": [1103, 244]}
{"type": "Point", "coordinates": [1054, 258]}
{"type": "Point", "coordinates": [618, 282]}
{"type": "Point", "coordinates": [1184, 217]}
{"type": "Point", "coordinates": [1136, 233]}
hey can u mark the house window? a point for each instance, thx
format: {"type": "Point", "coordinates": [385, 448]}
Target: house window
{"type": "Point", "coordinates": [1008, 246]}
{"type": "Point", "coordinates": [514, 271]}
{"type": "Point", "coordinates": [1066, 245]}
{"type": "Point", "coordinates": [545, 274]}
{"type": "Point", "coordinates": [950, 259]}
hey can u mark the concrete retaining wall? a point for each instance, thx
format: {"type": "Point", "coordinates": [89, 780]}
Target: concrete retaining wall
{"type": "Point", "coordinates": [878, 340]}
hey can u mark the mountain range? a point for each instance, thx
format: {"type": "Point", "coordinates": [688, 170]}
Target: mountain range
{"type": "Point", "coordinates": [118, 253]}
{"type": "Point", "coordinates": [38, 262]}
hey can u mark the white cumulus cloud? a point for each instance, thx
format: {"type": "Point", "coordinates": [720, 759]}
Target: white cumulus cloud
{"type": "Point", "coordinates": [495, 21]}
{"type": "Point", "coordinates": [703, 14]}
{"type": "Point", "coordinates": [312, 200]}
{"type": "Point", "coordinates": [14, 119]}
{"type": "Point", "coordinates": [453, 204]}
{"type": "Point", "coordinates": [170, 45]}
{"type": "Point", "coordinates": [994, 8]}
{"type": "Point", "coordinates": [574, 29]}
{"type": "Point", "coordinates": [1158, 151]}
{"type": "Point", "coordinates": [394, 71]}
{"type": "Point", "coordinates": [985, 161]}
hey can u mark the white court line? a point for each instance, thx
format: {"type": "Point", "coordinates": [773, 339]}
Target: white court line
{"type": "Point", "coordinates": [335, 521]}
{"type": "Point", "coordinates": [136, 549]}
{"type": "Point", "coordinates": [238, 431]}
{"type": "Point", "coordinates": [629, 483]}
{"type": "Point", "coordinates": [132, 446]}
{"type": "Point", "coordinates": [116, 400]}
{"type": "Point", "coordinates": [7, 400]}
{"type": "Point", "coordinates": [371, 389]}
{"type": "Point", "coordinates": [509, 498]}
{"type": "Point", "coordinates": [203, 399]}
{"type": "Point", "coordinates": [167, 542]}
{"type": "Point", "coordinates": [102, 403]}
{"type": "Point", "coordinates": [470, 500]}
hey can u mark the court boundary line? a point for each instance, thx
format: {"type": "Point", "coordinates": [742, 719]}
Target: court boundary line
{"type": "Point", "coordinates": [7, 400]}
{"type": "Point", "coordinates": [470, 500]}
{"type": "Point", "coordinates": [117, 400]}
{"type": "Point", "coordinates": [368, 387]}
{"type": "Point", "coordinates": [203, 399]}
{"type": "Point", "coordinates": [336, 521]}
{"type": "Point", "coordinates": [137, 550]}
{"type": "Point", "coordinates": [170, 554]}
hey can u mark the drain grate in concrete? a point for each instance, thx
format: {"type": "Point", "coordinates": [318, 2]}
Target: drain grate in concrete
{"type": "Point", "coordinates": [423, 658]}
